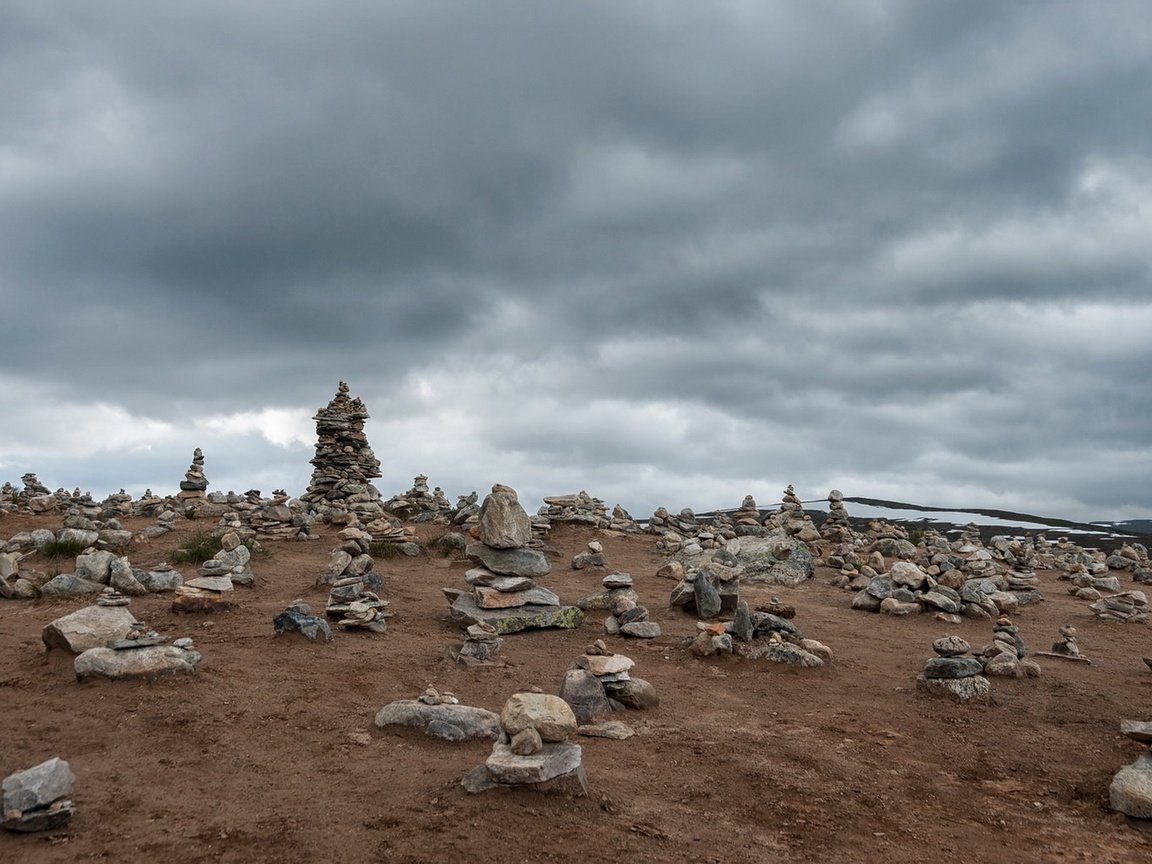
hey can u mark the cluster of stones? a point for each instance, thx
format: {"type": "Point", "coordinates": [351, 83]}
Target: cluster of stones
{"type": "Point", "coordinates": [684, 532]}
{"type": "Point", "coordinates": [1132, 557]}
{"type": "Point", "coordinates": [953, 675]}
{"type": "Point", "coordinates": [961, 578]}
{"type": "Point", "coordinates": [419, 505]}
{"type": "Point", "coordinates": [211, 589]}
{"type": "Point", "coordinates": [344, 463]}
{"type": "Point", "coordinates": [387, 529]}
{"type": "Point", "coordinates": [35, 495]}
{"type": "Point", "coordinates": [504, 592]}
{"type": "Point", "coordinates": [194, 485]}
{"type": "Point", "coordinates": [353, 600]}
{"type": "Point", "coordinates": [707, 592]}
{"type": "Point", "coordinates": [766, 633]}
{"type": "Point", "coordinates": [584, 509]}
{"type": "Point", "coordinates": [37, 799]}
{"type": "Point", "coordinates": [629, 617]}
{"type": "Point", "coordinates": [442, 716]}
{"type": "Point", "coordinates": [599, 682]}
{"type": "Point", "coordinates": [532, 749]}
{"type": "Point", "coordinates": [94, 571]}
{"type": "Point", "coordinates": [278, 518]}
{"type": "Point", "coordinates": [1128, 606]}
{"type": "Point", "coordinates": [1130, 792]}
{"type": "Point", "coordinates": [1003, 657]}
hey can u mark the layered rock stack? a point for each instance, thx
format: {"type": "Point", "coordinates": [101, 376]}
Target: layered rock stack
{"type": "Point", "coordinates": [1067, 648]}
{"type": "Point", "coordinates": [481, 645]}
{"type": "Point", "coordinates": [748, 513]}
{"type": "Point", "coordinates": [32, 486]}
{"type": "Point", "coordinates": [352, 559]}
{"type": "Point", "coordinates": [533, 749]}
{"type": "Point", "coordinates": [280, 518]}
{"type": "Point", "coordinates": [791, 518]}
{"type": "Point", "coordinates": [504, 593]}
{"type": "Point", "coordinates": [194, 486]}
{"type": "Point", "coordinates": [577, 509]}
{"type": "Point", "coordinates": [355, 607]}
{"type": "Point", "coordinates": [37, 799]}
{"type": "Point", "coordinates": [600, 681]}
{"type": "Point", "coordinates": [1004, 656]}
{"type": "Point", "coordinates": [344, 463]}
{"type": "Point", "coordinates": [1130, 792]}
{"type": "Point", "coordinates": [628, 617]}
{"type": "Point", "coordinates": [298, 618]}
{"type": "Point", "coordinates": [836, 527]}
{"type": "Point", "coordinates": [418, 504]}
{"type": "Point", "coordinates": [592, 556]}
{"type": "Point", "coordinates": [953, 675]}
{"type": "Point", "coordinates": [36, 496]}
{"type": "Point", "coordinates": [767, 632]}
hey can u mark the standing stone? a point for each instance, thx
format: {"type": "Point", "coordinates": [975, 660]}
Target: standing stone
{"type": "Point", "coordinates": [504, 524]}
{"type": "Point", "coordinates": [707, 597]}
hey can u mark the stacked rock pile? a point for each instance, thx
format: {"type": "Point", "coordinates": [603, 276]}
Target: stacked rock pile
{"type": "Point", "coordinates": [1130, 792]}
{"type": "Point", "coordinates": [280, 518]}
{"type": "Point", "coordinates": [1087, 585]}
{"type": "Point", "coordinates": [481, 645]}
{"type": "Point", "coordinates": [1067, 648]}
{"type": "Point", "coordinates": [577, 509]}
{"type": "Point", "coordinates": [37, 799]}
{"type": "Point", "coordinates": [344, 463]}
{"type": "Point", "coordinates": [35, 497]}
{"type": "Point", "coordinates": [952, 674]}
{"type": "Point", "coordinates": [791, 518]}
{"type": "Point", "coordinates": [533, 749]}
{"type": "Point", "coordinates": [504, 592]}
{"type": "Point", "coordinates": [420, 505]}
{"type": "Point", "coordinates": [1128, 606]}
{"type": "Point", "coordinates": [194, 484]}
{"type": "Point", "coordinates": [351, 558]}
{"type": "Point", "coordinates": [441, 716]}
{"type": "Point", "coordinates": [1004, 656]}
{"type": "Point", "coordinates": [599, 681]}
{"type": "Point", "coordinates": [467, 509]}
{"type": "Point", "coordinates": [628, 617]}
{"type": "Point", "coordinates": [747, 514]}
{"type": "Point", "coordinates": [592, 556]}
{"type": "Point", "coordinates": [767, 632]}
{"type": "Point", "coordinates": [836, 527]}
{"type": "Point", "coordinates": [388, 530]}
{"type": "Point", "coordinates": [32, 486]}
{"type": "Point", "coordinates": [355, 606]}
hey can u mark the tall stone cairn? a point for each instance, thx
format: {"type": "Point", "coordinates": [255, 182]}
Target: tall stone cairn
{"type": "Point", "coordinates": [344, 463]}
{"type": "Point", "coordinates": [194, 484]}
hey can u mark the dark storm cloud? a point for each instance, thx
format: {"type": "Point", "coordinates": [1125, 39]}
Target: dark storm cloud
{"type": "Point", "coordinates": [876, 225]}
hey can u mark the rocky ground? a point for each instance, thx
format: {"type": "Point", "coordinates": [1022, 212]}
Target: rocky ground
{"type": "Point", "coordinates": [270, 752]}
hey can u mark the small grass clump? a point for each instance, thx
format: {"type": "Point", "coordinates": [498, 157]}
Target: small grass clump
{"type": "Point", "coordinates": [58, 549]}
{"type": "Point", "coordinates": [204, 544]}
{"type": "Point", "coordinates": [383, 549]}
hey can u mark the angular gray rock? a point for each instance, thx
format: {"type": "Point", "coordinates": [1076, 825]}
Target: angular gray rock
{"type": "Point", "coordinates": [707, 597]}
{"type": "Point", "coordinates": [530, 563]}
{"type": "Point", "coordinates": [90, 627]}
{"type": "Point", "coordinates": [503, 522]}
{"type": "Point", "coordinates": [549, 715]}
{"type": "Point", "coordinates": [68, 584]}
{"type": "Point", "coordinates": [38, 786]}
{"type": "Point", "coordinates": [584, 694]}
{"type": "Point", "coordinates": [972, 688]}
{"type": "Point", "coordinates": [551, 761]}
{"type": "Point", "coordinates": [1131, 789]}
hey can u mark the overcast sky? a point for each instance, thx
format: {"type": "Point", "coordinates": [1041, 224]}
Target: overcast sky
{"type": "Point", "coordinates": [667, 252]}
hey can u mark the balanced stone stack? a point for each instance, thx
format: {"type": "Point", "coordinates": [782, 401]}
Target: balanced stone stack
{"type": "Point", "coordinates": [1067, 648]}
{"type": "Point", "coordinates": [37, 799]}
{"type": "Point", "coordinates": [748, 513]}
{"type": "Point", "coordinates": [344, 463]}
{"type": "Point", "coordinates": [36, 496]}
{"type": "Point", "coordinates": [1004, 656]}
{"type": "Point", "coordinates": [351, 558]}
{"type": "Point", "coordinates": [194, 485]}
{"type": "Point", "coordinates": [616, 587]}
{"type": "Point", "coordinates": [953, 675]}
{"type": "Point", "coordinates": [621, 520]}
{"type": "Point", "coordinates": [532, 749]}
{"type": "Point", "coordinates": [280, 518]}
{"type": "Point", "coordinates": [1129, 606]}
{"type": "Point", "coordinates": [628, 617]}
{"type": "Point", "coordinates": [233, 560]}
{"type": "Point", "coordinates": [578, 509]}
{"type": "Point", "coordinates": [504, 593]}
{"type": "Point", "coordinates": [599, 682]}
{"type": "Point", "coordinates": [32, 486]}
{"type": "Point", "coordinates": [355, 607]}
{"type": "Point", "coordinates": [836, 527]}
{"type": "Point", "coordinates": [481, 645]}
{"type": "Point", "coordinates": [593, 556]}
{"type": "Point", "coordinates": [1131, 790]}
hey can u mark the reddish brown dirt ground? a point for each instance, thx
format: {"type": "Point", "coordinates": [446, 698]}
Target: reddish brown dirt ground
{"type": "Point", "coordinates": [253, 759]}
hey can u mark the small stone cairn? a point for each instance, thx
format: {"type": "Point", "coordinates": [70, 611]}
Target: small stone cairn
{"type": "Point", "coordinates": [628, 617]}
{"type": "Point", "coordinates": [36, 496]}
{"type": "Point", "coordinates": [767, 632]}
{"type": "Point", "coordinates": [592, 556]}
{"type": "Point", "coordinates": [1004, 656]}
{"type": "Point", "coordinates": [533, 749]}
{"type": "Point", "coordinates": [344, 463]}
{"type": "Point", "coordinates": [353, 600]}
{"type": "Point", "coordinates": [747, 514]}
{"type": "Point", "coordinates": [140, 655]}
{"type": "Point", "coordinates": [504, 592]}
{"type": "Point", "coordinates": [1067, 648]}
{"type": "Point", "coordinates": [1131, 790]}
{"type": "Point", "coordinates": [836, 527]}
{"type": "Point", "coordinates": [211, 589]}
{"type": "Point", "coordinates": [419, 505]}
{"type": "Point", "coordinates": [599, 682]}
{"type": "Point", "coordinates": [707, 592]}
{"type": "Point", "coordinates": [37, 799]}
{"type": "Point", "coordinates": [481, 645]}
{"type": "Point", "coordinates": [194, 485]}
{"type": "Point", "coordinates": [953, 675]}
{"type": "Point", "coordinates": [792, 518]}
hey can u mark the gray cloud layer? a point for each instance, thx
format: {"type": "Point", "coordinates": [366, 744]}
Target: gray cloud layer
{"type": "Point", "coordinates": [659, 251]}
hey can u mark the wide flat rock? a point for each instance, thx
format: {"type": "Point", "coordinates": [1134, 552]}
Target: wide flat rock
{"type": "Point", "coordinates": [552, 760]}
{"type": "Point", "coordinates": [530, 617]}
{"type": "Point", "coordinates": [90, 627]}
{"type": "Point", "coordinates": [154, 662]}
{"type": "Point", "coordinates": [529, 563]}
{"type": "Point", "coordinates": [469, 721]}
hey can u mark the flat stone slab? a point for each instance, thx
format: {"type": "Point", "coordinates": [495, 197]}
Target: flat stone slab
{"type": "Point", "coordinates": [469, 722]}
{"type": "Point", "coordinates": [482, 576]}
{"type": "Point", "coordinates": [155, 662]}
{"type": "Point", "coordinates": [494, 598]}
{"type": "Point", "coordinates": [601, 664]}
{"type": "Point", "coordinates": [529, 617]}
{"type": "Point", "coordinates": [552, 760]}
{"type": "Point", "coordinates": [90, 627]}
{"type": "Point", "coordinates": [1074, 659]}
{"type": "Point", "coordinates": [975, 688]}
{"type": "Point", "coordinates": [212, 583]}
{"type": "Point", "coordinates": [617, 730]}
{"type": "Point", "coordinates": [530, 563]}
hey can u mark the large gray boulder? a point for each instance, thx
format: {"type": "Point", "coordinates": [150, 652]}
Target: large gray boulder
{"type": "Point", "coordinates": [530, 563]}
{"type": "Point", "coordinates": [156, 661]}
{"type": "Point", "coordinates": [68, 584]}
{"type": "Point", "coordinates": [36, 799]}
{"type": "Point", "coordinates": [90, 627]}
{"type": "Point", "coordinates": [503, 522]}
{"type": "Point", "coordinates": [1131, 789]}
